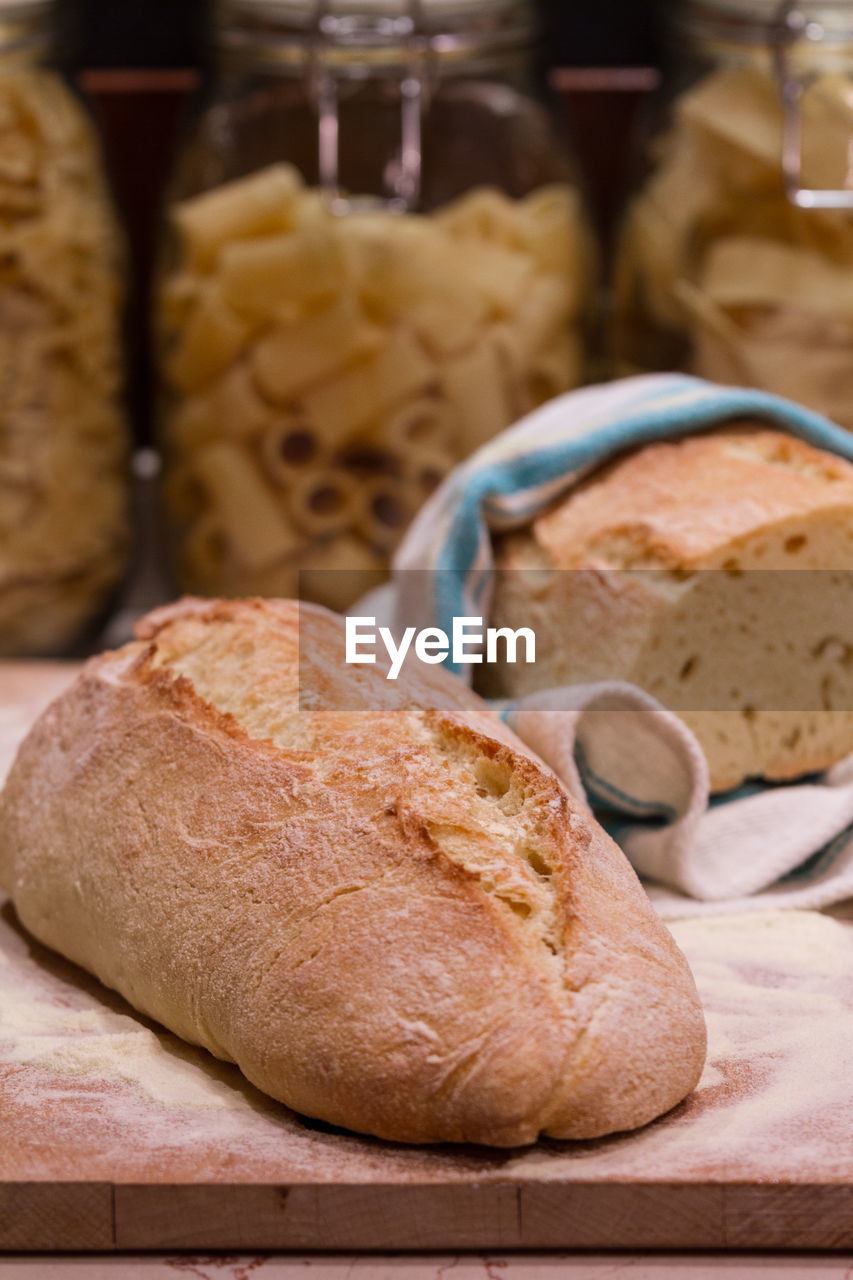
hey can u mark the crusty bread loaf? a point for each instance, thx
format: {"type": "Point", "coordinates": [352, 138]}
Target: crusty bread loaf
{"type": "Point", "coordinates": [393, 919]}
{"type": "Point", "coordinates": [756, 663]}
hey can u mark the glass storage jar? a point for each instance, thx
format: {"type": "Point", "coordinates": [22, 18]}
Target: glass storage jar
{"type": "Point", "coordinates": [377, 259]}
{"type": "Point", "coordinates": [736, 256]}
{"type": "Point", "coordinates": [63, 440]}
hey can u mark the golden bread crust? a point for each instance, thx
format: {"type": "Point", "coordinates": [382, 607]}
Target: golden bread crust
{"type": "Point", "coordinates": [755, 667]}
{"type": "Point", "coordinates": [687, 504]}
{"type": "Point", "coordinates": [393, 920]}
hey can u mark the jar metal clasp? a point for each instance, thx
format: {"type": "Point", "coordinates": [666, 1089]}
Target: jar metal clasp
{"type": "Point", "coordinates": [405, 32]}
{"type": "Point", "coordinates": [792, 25]}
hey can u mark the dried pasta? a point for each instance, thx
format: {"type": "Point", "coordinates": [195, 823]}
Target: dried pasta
{"type": "Point", "coordinates": [331, 370]}
{"type": "Point", "coordinates": [63, 445]}
{"type": "Point", "coordinates": [385, 508]}
{"type": "Point", "coordinates": [719, 272]}
{"type": "Point", "coordinates": [476, 387]}
{"type": "Point", "coordinates": [427, 468]}
{"type": "Point", "coordinates": [258, 205]}
{"type": "Point", "coordinates": [429, 420]}
{"type": "Point", "coordinates": [290, 448]}
{"type": "Point", "coordinates": [398, 370]}
{"type": "Point", "coordinates": [206, 550]}
{"type": "Point", "coordinates": [323, 502]}
{"type": "Point", "coordinates": [293, 357]}
{"type": "Point", "coordinates": [257, 529]}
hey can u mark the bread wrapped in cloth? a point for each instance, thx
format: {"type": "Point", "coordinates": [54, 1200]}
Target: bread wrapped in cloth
{"type": "Point", "coordinates": [756, 663]}
{"type": "Point", "coordinates": [391, 919]}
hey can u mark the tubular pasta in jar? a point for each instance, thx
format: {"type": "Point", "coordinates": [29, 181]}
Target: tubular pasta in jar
{"type": "Point", "coordinates": [428, 420]}
{"type": "Point", "coordinates": [20, 501]}
{"type": "Point", "coordinates": [426, 468]}
{"type": "Point", "coordinates": [236, 401]}
{"type": "Point", "coordinates": [543, 315]}
{"type": "Point", "coordinates": [363, 392]}
{"type": "Point", "coordinates": [352, 361]}
{"type": "Point", "coordinates": [230, 405]}
{"type": "Point", "coordinates": [191, 422]}
{"type": "Point", "coordinates": [371, 457]}
{"type": "Point", "coordinates": [178, 297]}
{"type": "Point", "coordinates": [719, 272]}
{"type": "Point", "coordinates": [184, 494]}
{"type": "Point", "coordinates": [556, 368]}
{"type": "Point", "coordinates": [447, 325]}
{"type": "Point", "coordinates": [323, 502]}
{"type": "Point", "coordinates": [500, 276]}
{"type": "Point", "coordinates": [550, 226]}
{"type": "Point", "coordinates": [261, 276]}
{"type": "Point", "coordinates": [258, 205]}
{"type": "Point", "coordinates": [203, 559]}
{"type": "Point", "coordinates": [385, 508]}
{"type": "Point", "coordinates": [290, 448]}
{"type": "Point", "coordinates": [257, 527]}
{"type": "Point", "coordinates": [301, 354]}
{"type": "Point", "coordinates": [213, 339]}
{"type": "Point", "coordinates": [484, 214]}
{"type": "Point", "coordinates": [749, 271]}
{"type": "Point", "coordinates": [475, 388]}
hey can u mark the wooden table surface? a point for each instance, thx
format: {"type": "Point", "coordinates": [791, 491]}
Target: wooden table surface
{"type": "Point", "coordinates": [114, 1135]}
{"type": "Point", "coordinates": [538, 1266]}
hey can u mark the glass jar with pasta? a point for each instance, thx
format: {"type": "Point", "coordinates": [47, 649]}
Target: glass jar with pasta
{"type": "Point", "coordinates": [736, 256]}
{"type": "Point", "coordinates": [63, 443]}
{"type": "Point", "coordinates": [377, 260]}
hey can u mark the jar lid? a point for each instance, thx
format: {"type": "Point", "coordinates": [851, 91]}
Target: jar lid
{"type": "Point", "coordinates": [302, 12]}
{"type": "Point", "coordinates": [378, 32]}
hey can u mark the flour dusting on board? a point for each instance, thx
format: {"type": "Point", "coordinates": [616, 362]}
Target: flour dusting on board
{"type": "Point", "coordinates": [778, 995]}
{"type": "Point", "coordinates": [775, 1100]}
{"type": "Point", "coordinates": [63, 1034]}
{"type": "Point", "coordinates": [77, 1035]}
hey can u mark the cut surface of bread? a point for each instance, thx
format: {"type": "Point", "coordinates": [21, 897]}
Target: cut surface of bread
{"type": "Point", "coordinates": [715, 572]}
{"type": "Point", "coordinates": [394, 920]}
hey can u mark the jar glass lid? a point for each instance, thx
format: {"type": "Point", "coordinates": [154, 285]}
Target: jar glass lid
{"type": "Point", "coordinates": [429, 13]}
{"type": "Point", "coordinates": [380, 8]}
{"type": "Point", "coordinates": [451, 28]}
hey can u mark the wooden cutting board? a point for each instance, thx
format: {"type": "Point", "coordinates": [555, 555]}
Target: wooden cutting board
{"type": "Point", "coordinates": [116, 1135]}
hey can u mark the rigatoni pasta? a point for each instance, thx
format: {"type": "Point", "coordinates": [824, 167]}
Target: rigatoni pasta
{"type": "Point", "coordinates": [289, 449]}
{"type": "Point", "coordinates": [719, 272]}
{"type": "Point", "coordinates": [385, 508]}
{"type": "Point", "coordinates": [257, 530]}
{"type": "Point", "coordinates": [322, 503]}
{"type": "Point", "coordinates": [427, 467]}
{"type": "Point", "coordinates": [332, 370]}
{"type": "Point", "coordinates": [429, 420]}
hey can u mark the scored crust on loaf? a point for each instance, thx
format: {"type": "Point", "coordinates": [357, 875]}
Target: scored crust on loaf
{"type": "Point", "coordinates": [754, 666]}
{"type": "Point", "coordinates": [713, 501]}
{"type": "Point", "coordinates": [393, 920]}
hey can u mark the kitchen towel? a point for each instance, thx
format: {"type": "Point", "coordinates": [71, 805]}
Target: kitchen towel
{"type": "Point", "coordinates": [635, 763]}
